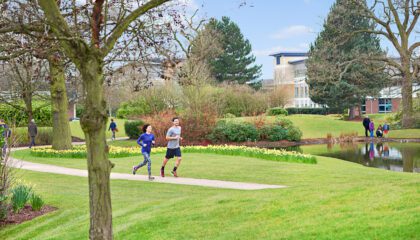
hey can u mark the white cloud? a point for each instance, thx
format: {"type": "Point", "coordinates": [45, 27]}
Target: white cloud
{"type": "Point", "coordinates": [303, 47]}
{"type": "Point", "coordinates": [292, 31]}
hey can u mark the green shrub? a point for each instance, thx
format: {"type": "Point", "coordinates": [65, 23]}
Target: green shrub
{"type": "Point", "coordinates": [36, 202]}
{"type": "Point", "coordinates": [133, 128]}
{"type": "Point", "coordinates": [234, 132]}
{"type": "Point", "coordinates": [133, 108]}
{"type": "Point", "coordinates": [294, 134]}
{"type": "Point", "coordinates": [41, 114]}
{"type": "Point", "coordinates": [44, 136]}
{"type": "Point", "coordinates": [273, 133]}
{"type": "Point", "coordinates": [20, 196]}
{"type": "Point", "coordinates": [316, 111]}
{"type": "Point", "coordinates": [283, 122]}
{"type": "Point", "coordinates": [277, 111]}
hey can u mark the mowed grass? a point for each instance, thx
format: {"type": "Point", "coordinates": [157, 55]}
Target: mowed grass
{"type": "Point", "coordinates": [319, 126]}
{"type": "Point", "coordinates": [330, 200]}
{"type": "Point", "coordinates": [76, 129]}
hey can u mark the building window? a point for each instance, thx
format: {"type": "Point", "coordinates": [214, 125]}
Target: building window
{"type": "Point", "coordinates": [296, 92]}
{"type": "Point", "coordinates": [278, 60]}
{"type": "Point", "coordinates": [363, 107]}
{"type": "Point", "coordinates": [385, 105]}
{"type": "Point", "coordinates": [306, 92]}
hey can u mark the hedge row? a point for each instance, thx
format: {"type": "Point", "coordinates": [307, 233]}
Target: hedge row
{"type": "Point", "coordinates": [317, 111]}
{"type": "Point", "coordinates": [42, 115]}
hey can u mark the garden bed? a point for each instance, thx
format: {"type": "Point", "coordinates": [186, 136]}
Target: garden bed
{"type": "Point", "coordinates": [26, 214]}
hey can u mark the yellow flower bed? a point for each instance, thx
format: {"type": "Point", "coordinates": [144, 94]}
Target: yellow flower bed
{"type": "Point", "coordinates": [118, 152]}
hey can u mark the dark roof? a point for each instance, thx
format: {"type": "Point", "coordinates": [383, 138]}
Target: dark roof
{"type": "Point", "coordinates": [297, 61]}
{"type": "Point", "coordinates": [289, 54]}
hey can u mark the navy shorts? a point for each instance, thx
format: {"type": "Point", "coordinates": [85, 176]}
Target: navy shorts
{"type": "Point", "coordinates": [173, 152]}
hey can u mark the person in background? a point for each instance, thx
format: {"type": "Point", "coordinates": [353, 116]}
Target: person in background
{"type": "Point", "coordinates": [386, 129]}
{"type": "Point", "coordinates": [371, 128]}
{"type": "Point", "coordinates": [366, 122]}
{"type": "Point", "coordinates": [379, 131]}
{"type": "Point", "coordinates": [33, 131]}
{"type": "Point", "coordinates": [113, 128]}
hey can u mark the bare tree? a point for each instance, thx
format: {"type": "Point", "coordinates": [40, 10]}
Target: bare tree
{"type": "Point", "coordinates": [397, 21]}
{"type": "Point", "coordinates": [88, 51]}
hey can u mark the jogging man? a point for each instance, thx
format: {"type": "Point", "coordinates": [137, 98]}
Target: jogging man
{"type": "Point", "coordinates": [173, 136]}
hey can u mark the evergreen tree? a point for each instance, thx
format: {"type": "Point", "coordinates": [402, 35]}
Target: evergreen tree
{"type": "Point", "coordinates": [339, 72]}
{"type": "Point", "coordinates": [235, 64]}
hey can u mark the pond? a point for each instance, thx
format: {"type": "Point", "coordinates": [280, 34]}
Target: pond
{"type": "Point", "coordinates": [400, 157]}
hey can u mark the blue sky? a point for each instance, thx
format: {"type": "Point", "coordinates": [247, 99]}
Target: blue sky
{"type": "Point", "coordinates": [271, 25]}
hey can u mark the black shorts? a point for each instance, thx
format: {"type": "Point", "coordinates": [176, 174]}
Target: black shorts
{"type": "Point", "coordinates": [173, 152]}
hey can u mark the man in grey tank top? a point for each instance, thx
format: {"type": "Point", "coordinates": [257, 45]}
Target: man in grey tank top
{"type": "Point", "coordinates": [173, 136]}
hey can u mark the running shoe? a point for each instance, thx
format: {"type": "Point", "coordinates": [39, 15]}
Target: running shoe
{"type": "Point", "coordinates": [174, 173]}
{"type": "Point", "coordinates": [162, 173]}
{"type": "Point", "coordinates": [151, 178]}
{"type": "Point", "coordinates": [134, 170]}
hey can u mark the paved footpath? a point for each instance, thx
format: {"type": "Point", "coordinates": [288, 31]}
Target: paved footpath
{"type": "Point", "coordinates": [38, 167]}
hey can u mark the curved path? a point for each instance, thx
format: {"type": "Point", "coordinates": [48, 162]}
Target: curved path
{"type": "Point", "coordinates": [38, 167]}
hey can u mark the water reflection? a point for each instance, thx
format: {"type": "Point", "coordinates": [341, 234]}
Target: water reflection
{"type": "Point", "coordinates": [390, 156]}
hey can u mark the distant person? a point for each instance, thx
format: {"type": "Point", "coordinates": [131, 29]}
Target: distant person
{"type": "Point", "coordinates": [371, 128]}
{"type": "Point", "coordinates": [386, 129]}
{"type": "Point", "coordinates": [366, 122]}
{"type": "Point", "coordinates": [113, 128]}
{"type": "Point", "coordinates": [6, 133]}
{"type": "Point", "coordinates": [379, 131]}
{"type": "Point", "coordinates": [33, 131]}
{"type": "Point", "coordinates": [173, 150]}
{"type": "Point", "coordinates": [146, 140]}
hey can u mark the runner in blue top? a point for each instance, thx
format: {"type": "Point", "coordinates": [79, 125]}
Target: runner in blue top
{"type": "Point", "coordinates": [146, 140]}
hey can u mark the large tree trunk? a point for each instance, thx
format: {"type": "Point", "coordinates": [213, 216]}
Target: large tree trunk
{"type": "Point", "coordinates": [407, 101]}
{"type": "Point", "coordinates": [27, 99]}
{"type": "Point", "coordinates": [61, 139]}
{"type": "Point", "coordinates": [351, 113]}
{"type": "Point", "coordinates": [99, 167]}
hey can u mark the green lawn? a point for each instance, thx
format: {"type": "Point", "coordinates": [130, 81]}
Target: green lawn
{"type": "Point", "coordinates": [318, 126]}
{"type": "Point", "coordinates": [77, 131]}
{"type": "Point", "coordinates": [333, 199]}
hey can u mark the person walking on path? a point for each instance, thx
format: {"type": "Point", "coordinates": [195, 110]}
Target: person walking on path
{"type": "Point", "coordinates": [146, 140]}
{"type": "Point", "coordinates": [6, 133]}
{"type": "Point", "coordinates": [371, 128]}
{"type": "Point", "coordinates": [366, 122]}
{"type": "Point", "coordinates": [113, 128]}
{"type": "Point", "coordinates": [173, 149]}
{"type": "Point", "coordinates": [33, 131]}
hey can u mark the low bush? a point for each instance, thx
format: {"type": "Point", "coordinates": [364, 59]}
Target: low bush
{"type": "Point", "coordinates": [20, 196]}
{"type": "Point", "coordinates": [234, 132]}
{"type": "Point", "coordinates": [242, 101]}
{"type": "Point", "coordinates": [3, 207]}
{"type": "Point", "coordinates": [273, 133]}
{"type": "Point", "coordinates": [133, 128]}
{"type": "Point", "coordinates": [277, 111]}
{"type": "Point", "coordinates": [316, 111]}
{"type": "Point", "coordinates": [294, 134]}
{"type": "Point", "coordinates": [133, 108]}
{"type": "Point", "coordinates": [36, 202]}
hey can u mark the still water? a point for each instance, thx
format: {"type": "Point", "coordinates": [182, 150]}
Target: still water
{"type": "Point", "coordinates": [400, 157]}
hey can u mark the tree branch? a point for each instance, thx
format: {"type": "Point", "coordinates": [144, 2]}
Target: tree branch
{"type": "Point", "coordinates": [119, 30]}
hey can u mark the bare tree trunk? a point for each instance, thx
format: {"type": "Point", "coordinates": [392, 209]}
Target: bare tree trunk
{"type": "Point", "coordinates": [27, 99]}
{"type": "Point", "coordinates": [99, 167]}
{"type": "Point", "coordinates": [407, 101]}
{"type": "Point", "coordinates": [351, 113]}
{"type": "Point", "coordinates": [61, 139]}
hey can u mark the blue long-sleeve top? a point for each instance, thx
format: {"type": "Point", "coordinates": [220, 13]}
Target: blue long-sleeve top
{"type": "Point", "coordinates": [145, 141]}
